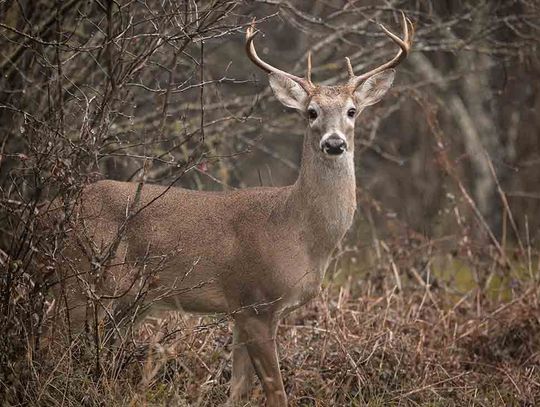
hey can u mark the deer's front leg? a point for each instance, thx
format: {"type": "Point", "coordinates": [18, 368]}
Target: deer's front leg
{"type": "Point", "coordinates": [242, 369]}
{"type": "Point", "coordinates": [259, 332]}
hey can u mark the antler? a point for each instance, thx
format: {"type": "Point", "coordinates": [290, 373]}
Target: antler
{"type": "Point", "coordinates": [405, 45]}
{"type": "Point", "coordinates": [306, 83]}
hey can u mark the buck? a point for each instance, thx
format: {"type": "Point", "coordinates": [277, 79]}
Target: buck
{"type": "Point", "coordinates": [255, 254]}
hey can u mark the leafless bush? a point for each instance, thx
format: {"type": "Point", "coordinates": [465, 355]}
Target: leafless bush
{"type": "Point", "coordinates": [73, 85]}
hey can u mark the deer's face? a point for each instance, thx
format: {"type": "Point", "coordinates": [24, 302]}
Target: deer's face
{"type": "Point", "coordinates": [331, 111]}
{"type": "Point", "coordinates": [330, 115]}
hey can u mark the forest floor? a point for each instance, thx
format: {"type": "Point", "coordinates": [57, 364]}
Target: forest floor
{"type": "Point", "coordinates": [353, 345]}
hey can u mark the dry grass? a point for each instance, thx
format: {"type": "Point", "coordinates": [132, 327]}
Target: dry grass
{"type": "Point", "coordinates": [353, 345]}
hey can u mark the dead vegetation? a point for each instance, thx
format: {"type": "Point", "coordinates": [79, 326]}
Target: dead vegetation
{"type": "Point", "coordinates": [351, 346]}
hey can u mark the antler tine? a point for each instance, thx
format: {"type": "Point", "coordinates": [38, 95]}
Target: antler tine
{"type": "Point", "coordinates": [405, 45]}
{"type": "Point", "coordinates": [349, 67]}
{"type": "Point", "coordinates": [251, 33]}
{"type": "Point", "coordinates": [308, 73]}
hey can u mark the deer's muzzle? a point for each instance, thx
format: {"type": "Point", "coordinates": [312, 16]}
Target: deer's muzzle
{"type": "Point", "coordinates": [333, 145]}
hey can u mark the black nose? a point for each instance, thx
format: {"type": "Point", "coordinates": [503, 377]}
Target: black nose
{"type": "Point", "coordinates": [334, 145]}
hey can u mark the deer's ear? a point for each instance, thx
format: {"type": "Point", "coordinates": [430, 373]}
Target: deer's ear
{"type": "Point", "coordinates": [373, 89]}
{"type": "Point", "coordinates": [288, 91]}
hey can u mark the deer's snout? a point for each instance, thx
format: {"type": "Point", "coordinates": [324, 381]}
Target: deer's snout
{"type": "Point", "coordinates": [333, 144]}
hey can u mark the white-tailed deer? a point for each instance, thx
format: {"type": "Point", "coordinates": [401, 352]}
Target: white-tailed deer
{"type": "Point", "coordinates": [254, 254]}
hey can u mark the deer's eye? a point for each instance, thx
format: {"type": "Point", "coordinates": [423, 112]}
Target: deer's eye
{"type": "Point", "coordinates": [312, 113]}
{"type": "Point", "coordinates": [351, 112]}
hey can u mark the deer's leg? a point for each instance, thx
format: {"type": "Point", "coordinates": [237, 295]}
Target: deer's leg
{"type": "Point", "coordinates": [242, 369]}
{"type": "Point", "coordinates": [259, 332]}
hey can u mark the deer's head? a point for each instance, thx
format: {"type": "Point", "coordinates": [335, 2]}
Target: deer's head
{"type": "Point", "coordinates": [331, 111]}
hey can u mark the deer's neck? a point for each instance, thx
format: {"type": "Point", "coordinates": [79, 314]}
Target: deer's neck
{"type": "Point", "coordinates": [324, 196]}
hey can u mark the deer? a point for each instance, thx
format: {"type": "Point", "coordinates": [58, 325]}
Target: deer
{"type": "Point", "coordinates": [254, 254]}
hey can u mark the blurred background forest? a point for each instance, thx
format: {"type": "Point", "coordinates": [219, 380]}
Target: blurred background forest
{"type": "Point", "coordinates": [433, 295]}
